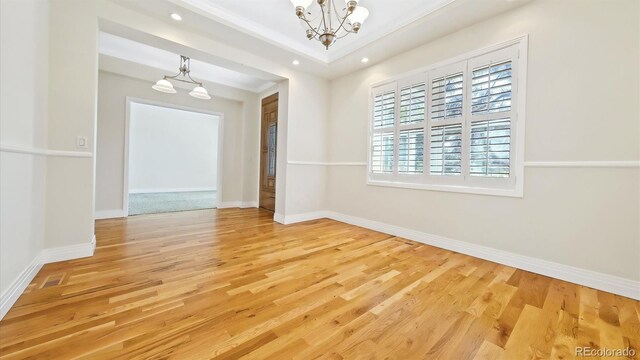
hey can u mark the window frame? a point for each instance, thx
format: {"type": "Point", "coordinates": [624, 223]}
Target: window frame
{"type": "Point", "coordinates": [513, 186]}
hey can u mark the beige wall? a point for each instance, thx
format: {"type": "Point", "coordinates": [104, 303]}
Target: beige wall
{"type": "Point", "coordinates": [307, 142]}
{"type": "Point", "coordinates": [112, 93]}
{"type": "Point", "coordinates": [74, 36]}
{"type": "Point", "coordinates": [23, 116]}
{"type": "Point", "coordinates": [73, 74]}
{"type": "Point", "coordinates": [583, 82]}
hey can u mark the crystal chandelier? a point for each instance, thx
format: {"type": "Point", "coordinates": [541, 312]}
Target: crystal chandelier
{"type": "Point", "coordinates": [332, 24]}
{"type": "Point", "coordinates": [163, 85]}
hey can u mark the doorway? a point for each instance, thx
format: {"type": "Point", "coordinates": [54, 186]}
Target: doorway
{"type": "Point", "coordinates": [173, 159]}
{"type": "Point", "coordinates": [268, 149]}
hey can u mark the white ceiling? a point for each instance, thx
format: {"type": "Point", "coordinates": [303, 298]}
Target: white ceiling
{"type": "Point", "coordinates": [132, 51]}
{"type": "Point", "coordinates": [275, 21]}
{"type": "Point", "coordinates": [270, 29]}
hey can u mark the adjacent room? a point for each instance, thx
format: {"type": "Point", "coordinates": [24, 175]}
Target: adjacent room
{"type": "Point", "coordinates": [334, 179]}
{"type": "Point", "coordinates": [173, 159]}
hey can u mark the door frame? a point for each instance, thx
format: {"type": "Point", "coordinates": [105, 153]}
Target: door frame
{"type": "Point", "coordinates": [127, 124]}
{"type": "Point", "coordinates": [260, 106]}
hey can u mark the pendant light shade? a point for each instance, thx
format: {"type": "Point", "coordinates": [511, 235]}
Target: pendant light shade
{"type": "Point", "coordinates": [200, 93]}
{"type": "Point", "coordinates": [359, 15]}
{"type": "Point", "coordinates": [301, 3]}
{"type": "Point", "coordinates": [164, 86]}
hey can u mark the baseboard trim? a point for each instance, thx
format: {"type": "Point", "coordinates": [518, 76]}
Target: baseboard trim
{"type": "Point", "coordinates": [237, 204]}
{"type": "Point", "coordinates": [46, 256]}
{"type": "Point", "coordinates": [593, 279]}
{"type": "Point", "coordinates": [108, 214]}
{"type": "Point", "coordinates": [70, 252]}
{"type": "Point", "coordinates": [168, 190]}
{"type": "Point", "coordinates": [11, 295]}
{"type": "Point", "coordinates": [296, 218]}
{"type": "Point", "coordinates": [279, 218]}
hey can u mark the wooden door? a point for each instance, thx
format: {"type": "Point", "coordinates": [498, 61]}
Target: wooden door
{"type": "Point", "coordinates": [268, 147]}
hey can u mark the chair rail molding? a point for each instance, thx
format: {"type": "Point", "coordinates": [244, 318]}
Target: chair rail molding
{"type": "Point", "coordinates": [532, 164]}
{"type": "Point", "coordinates": [584, 164]}
{"type": "Point", "coordinates": [30, 150]}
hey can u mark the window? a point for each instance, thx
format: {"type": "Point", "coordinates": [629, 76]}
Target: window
{"type": "Point", "coordinates": [453, 127]}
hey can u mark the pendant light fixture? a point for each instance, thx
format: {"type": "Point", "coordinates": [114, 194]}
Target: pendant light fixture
{"type": "Point", "coordinates": [165, 86]}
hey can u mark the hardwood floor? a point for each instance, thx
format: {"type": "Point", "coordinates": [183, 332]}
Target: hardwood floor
{"type": "Point", "coordinates": [232, 284]}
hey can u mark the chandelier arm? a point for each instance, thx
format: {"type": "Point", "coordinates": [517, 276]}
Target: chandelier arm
{"type": "Point", "coordinates": [342, 23]}
{"type": "Point", "coordinates": [303, 18]}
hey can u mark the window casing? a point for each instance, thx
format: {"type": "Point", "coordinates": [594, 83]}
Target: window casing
{"type": "Point", "coordinates": [457, 126]}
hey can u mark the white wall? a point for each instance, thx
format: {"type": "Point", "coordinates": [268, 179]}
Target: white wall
{"type": "Point", "coordinates": [172, 149]}
{"type": "Point", "coordinates": [23, 116]}
{"type": "Point", "coordinates": [583, 82]}
{"type": "Point", "coordinates": [113, 90]}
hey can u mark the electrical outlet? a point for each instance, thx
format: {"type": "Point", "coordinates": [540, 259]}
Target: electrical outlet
{"type": "Point", "coordinates": [82, 142]}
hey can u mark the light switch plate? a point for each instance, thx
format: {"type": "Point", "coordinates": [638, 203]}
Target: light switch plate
{"type": "Point", "coordinates": [81, 142]}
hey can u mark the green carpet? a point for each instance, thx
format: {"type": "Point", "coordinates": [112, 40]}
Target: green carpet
{"type": "Point", "coordinates": [152, 203]}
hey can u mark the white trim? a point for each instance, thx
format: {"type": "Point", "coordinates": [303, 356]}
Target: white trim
{"type": "Point", "coordinates": [17, 149]}
{"type": "Point", "coordinates": [533, 164]}
{"type": "Point", "coordinates": [513, 186]}
{"type": "Point", "coordinates": [13, 292]}
{"type": "Point", "coordinates": [593, 279]}
{"type": "Point", "coordinates": [108, 214]}
{"type": "Point", "coordinates": [168, 190]}
{"type": "Point", "coordinates": [279, 218]}
{"type": "Point", "coordinates": [512, 192]}
{"type": "Point", "coordinates": [64, 253]}
{"type": "Point", "coordinates": [237, 204]}
{"type": "Point", "coordinates": [46, 256]}
{"type": "Point", "coordinates": [318, 163]}
{"type": "Point", "coordinates": [296, 218]}
{"type": "Point", "coordinates": [125, 181]}
{"type": "Point", "coordinates": [583, 164]}
{"type": "Point", "coordinates": [249, 204]}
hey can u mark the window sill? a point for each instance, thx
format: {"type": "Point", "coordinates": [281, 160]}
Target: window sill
{"type": "Point", "coordinates": [514, 192]}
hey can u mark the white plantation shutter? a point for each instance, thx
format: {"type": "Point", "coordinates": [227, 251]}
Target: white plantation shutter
{"type": "Point", "coordinates": [446, 150]}
{"type": "Point", "coordinates": [411, 151]}
{"type": "Point", "coordinates": [383, 130]}
{"type": "Point", "coordinates": [446, 95]}
{"type": "Point", "coordinates": [451, 127]}
{"type": "Point", "coordinates": [446, 123]}
{"type": "Point", "coordinates": [411, 128]}
{"type": "Point", "coordinates": [384, 110]}
{"type": "Point", "coordinates": [492, 116]}
{"type": "Point", "coordinates": [490, 148]}
{"type": "Point", "coordinates": [491, 88]}
{"type": "Point", "coordinates": [382, 153]}
{"type": "Point", "coordinates": [412, 104]}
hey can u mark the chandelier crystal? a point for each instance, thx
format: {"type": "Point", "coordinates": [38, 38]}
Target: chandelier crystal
{"type": "Point", "coordinates": [165, 86]}
{"type": "Point", "coordinates": [332, 24]}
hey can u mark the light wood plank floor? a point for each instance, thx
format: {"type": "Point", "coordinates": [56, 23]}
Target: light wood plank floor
{"type": "Point", "coordinates": [232, 284]}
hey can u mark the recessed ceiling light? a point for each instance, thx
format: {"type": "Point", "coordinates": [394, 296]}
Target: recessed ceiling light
{"type": "Point", "coordinates": [295, 62]}
{"type": "Point", "coordinates": [364, 60]}
{"type": "Point", "coordinates": [176, 17]}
